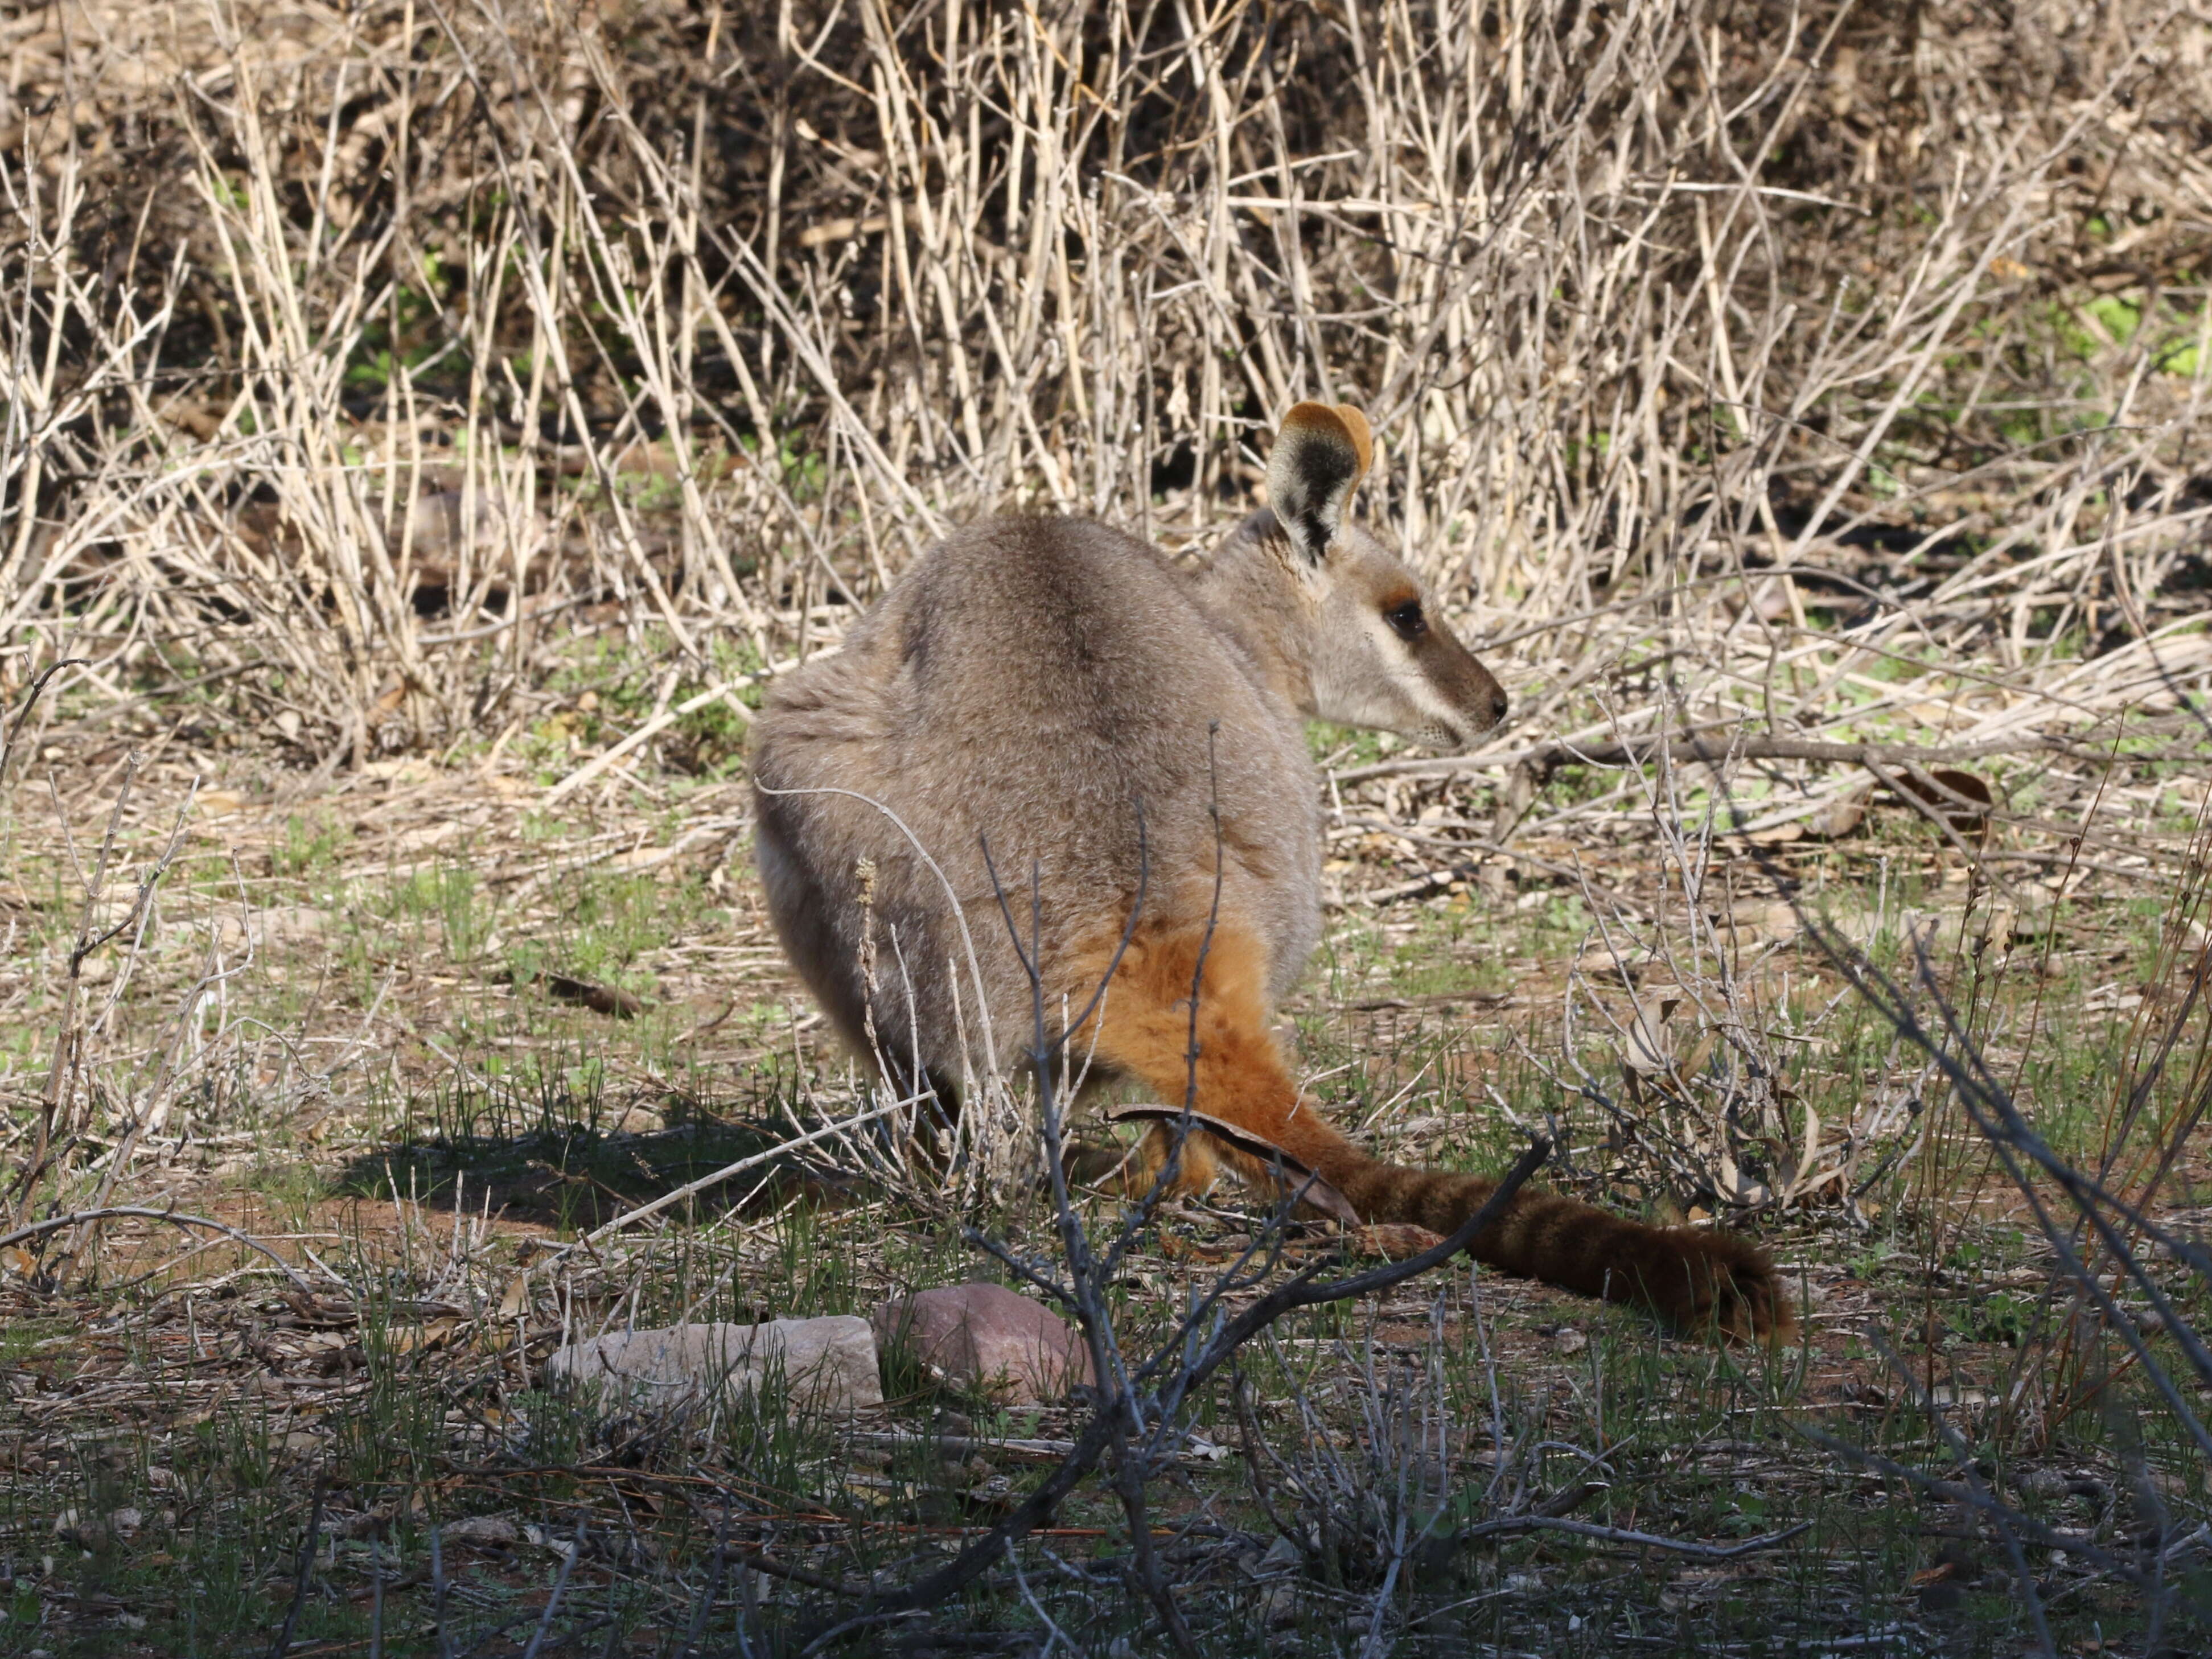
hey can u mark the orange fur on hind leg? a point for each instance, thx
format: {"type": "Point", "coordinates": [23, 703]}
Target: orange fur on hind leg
{"type": "Point", "coordinates": [1236, 1073]}
{"type": "Point", "coordinates": [1197, 1171]}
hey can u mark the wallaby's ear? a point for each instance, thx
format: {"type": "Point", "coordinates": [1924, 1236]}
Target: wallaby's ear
{"type": "Point", "coordinates": [1320, 456]}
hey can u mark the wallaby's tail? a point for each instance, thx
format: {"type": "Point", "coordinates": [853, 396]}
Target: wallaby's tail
{"type": "Point", "coordinates": [1226, 1059]}
{"type": "Point", "coordinates": [1693, 1280]}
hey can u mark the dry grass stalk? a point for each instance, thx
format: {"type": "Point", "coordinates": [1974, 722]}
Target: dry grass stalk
{"type": "Point", "coordinates": [1660, 299]}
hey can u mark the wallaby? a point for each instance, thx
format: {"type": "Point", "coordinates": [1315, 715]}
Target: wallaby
{"type": "Point", "coordinates": [1102, 720]}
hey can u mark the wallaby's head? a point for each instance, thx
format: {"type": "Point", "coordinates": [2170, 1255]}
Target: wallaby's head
{"type": "Point", "coordinates": [1373, 650]}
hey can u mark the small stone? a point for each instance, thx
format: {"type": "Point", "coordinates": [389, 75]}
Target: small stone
{"type": "Point", "coordinates": [828, 1365]}
{"type": "Point", "coordinates": [485, 1531]}
{"type": "Point", "coordinates": [1570, 1340]}
{"type": "Point", "coordinates": [1281, 1557]}
{"type": "Point", "coordinates": [984, 1336]}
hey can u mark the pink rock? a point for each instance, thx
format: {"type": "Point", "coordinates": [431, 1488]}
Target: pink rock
{"type": "Point", "coordinates": [985, 1336]}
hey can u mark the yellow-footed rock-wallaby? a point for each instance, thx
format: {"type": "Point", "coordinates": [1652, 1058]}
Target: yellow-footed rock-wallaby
{"type": "Point", "coordinates": [1061, 692]}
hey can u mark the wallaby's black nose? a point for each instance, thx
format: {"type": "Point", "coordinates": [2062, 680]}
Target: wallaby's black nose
{"type": "Point", "coordinates": [1498, 706]}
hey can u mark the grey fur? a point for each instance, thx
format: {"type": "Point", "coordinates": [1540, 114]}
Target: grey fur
{"type": "Point", "coordinates": [1036, 682]}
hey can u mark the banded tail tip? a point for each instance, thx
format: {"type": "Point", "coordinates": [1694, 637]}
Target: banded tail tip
{"type": "Point", "coordinates": [1701, 1282]}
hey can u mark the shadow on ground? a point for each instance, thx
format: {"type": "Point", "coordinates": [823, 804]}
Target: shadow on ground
{"type": "Point", "coordinates": [575, 1176]}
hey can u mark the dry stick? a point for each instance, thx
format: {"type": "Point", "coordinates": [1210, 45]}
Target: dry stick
{"type": "Point", "coordinates": [776, 1567]}
{"type": "Point", "coordinates": [135, 920]}
{"type": "Point", "coordinates": [439, 1587]}
{"type": "Point", "coordinates": [1312, 1188]}
{"type": "Point", "coordinates": [1931, 797]}
{"type": "Point", "coordinates": [518, 181]}
{"type": "Point", "coordinates": [15, 732]}
{"type": "Point", "coordinates": [68, 1039]}
{"type": "Point", "coordinates": [1951, 1492]}
{"type": "Point", "coordinates": [1299, 1292]}
{"type": "Point", "coordinates": [968, 1445]}
{"type": "Point", "coordinates": [282, 1645]}
{"type": "Point", "coordinates": [1550, 756]}
{"type": "Point", "coordinates": [166, 1073]}
{"type": "Point", "coordinates": [703, 1607]}
{"type": "Point", "coordinates": [1517, 1523]}
{"type": "Point", "coordinates": [1482, 844]}
{"type": "Point", "coordinates": [1998, 1118]}
{"type": "Point", "coordinates": [175, 1217]}
{"type": "Point", "coordinates": [1908, 383]}
{"type": "Point", "coordinates": [560, 1586]}
{"type": "Point", "coordinates": [630, 1217]}
{"type": "Point", "coordinates": [1119, 1414]}
{"type": "Point", "coordinates": [1960, 1450]}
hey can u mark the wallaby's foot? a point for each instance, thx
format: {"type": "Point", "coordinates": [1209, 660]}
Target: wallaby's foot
{"type": "Point", "coordinates": [1133, 1170]}
{"type": "Point", "coordinates": [1197, 1166]}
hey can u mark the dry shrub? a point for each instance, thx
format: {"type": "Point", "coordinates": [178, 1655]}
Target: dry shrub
{"type": "Point", "coordinates": [346, 349]}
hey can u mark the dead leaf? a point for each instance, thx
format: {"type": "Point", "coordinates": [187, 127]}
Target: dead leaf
{"type": "Point", "coordinates": [600, 999]}
{"type": "Point", "coordinates": [1648, 1049]}
{"type": "Point", "coordinates": [1841, 815]}
{"type": "Point", "coordinates": [1601, 964]}
{"type": "Point", "coordinates": [1811, 1149]}
{"type": "Point", "coordinates": [1735, 1187]}
{"type": "Point", "coordinates": [1963, 800]}
{"type": "Point", "coordinates": [407, 1339]}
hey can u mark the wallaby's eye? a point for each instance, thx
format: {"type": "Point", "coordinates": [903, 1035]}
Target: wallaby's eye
{"type": "Point", "coordinates": [1406, 620]}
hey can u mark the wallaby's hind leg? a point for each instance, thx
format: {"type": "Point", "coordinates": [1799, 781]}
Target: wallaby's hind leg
{"type": "Point", "coordinates": [1229, 1055]}
{"type": "Point", "coordinates": [1693, 1280]}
